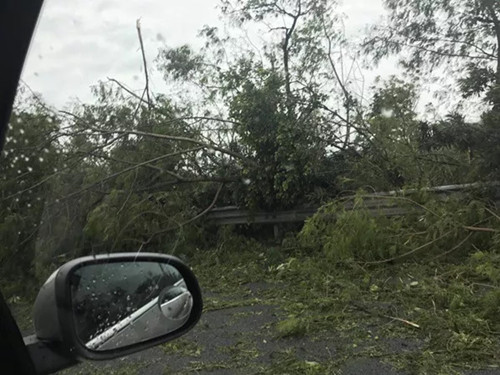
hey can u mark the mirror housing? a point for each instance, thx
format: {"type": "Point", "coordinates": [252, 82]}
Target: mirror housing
{"type": "Point", "coordinates": [55, 320]}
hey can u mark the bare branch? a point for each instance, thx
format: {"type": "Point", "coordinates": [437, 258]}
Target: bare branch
{"type": "Point", "coordinates": [146, 88]}
{"type": "Point", "coordinates": [138, 165]}
{"type": "Point", "coordinates": [123, 87]}
{"type": "Point", "coordinates": [177, 138]}
{"type": "Point", "coordinates": [201, 214]}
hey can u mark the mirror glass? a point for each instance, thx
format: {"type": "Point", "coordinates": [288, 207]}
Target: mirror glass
{"type": "Point", "coordinates": [120, 304]}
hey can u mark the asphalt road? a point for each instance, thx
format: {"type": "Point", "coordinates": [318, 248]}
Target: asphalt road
{"type": "Point", "coordinates": [242, 340]}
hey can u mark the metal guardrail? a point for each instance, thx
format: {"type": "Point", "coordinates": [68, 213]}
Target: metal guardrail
{"type": "Point", "coordinates": [374, 203]}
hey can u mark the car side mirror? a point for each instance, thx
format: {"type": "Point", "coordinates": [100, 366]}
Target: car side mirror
{"type": "Point", "coordinates": [106, 306]}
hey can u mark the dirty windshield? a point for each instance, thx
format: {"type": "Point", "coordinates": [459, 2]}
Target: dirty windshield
{"type": "Point", "coordinates": [329, 169]}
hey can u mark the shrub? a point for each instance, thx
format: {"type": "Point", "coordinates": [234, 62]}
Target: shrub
{"type": "Point", "coordinates": [435, 228]}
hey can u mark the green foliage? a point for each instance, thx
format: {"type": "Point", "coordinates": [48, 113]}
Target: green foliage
{"type": "Point", "coordinates": [285, 150]}
{"type": "Point", "coordinates": [291, 327]}
{"type": "Point", "coordinates": [425, 34]}
{"type": "Point", "coordinates": [181, 62]}
{"type": "Point", "coordinates": [431, 228]}
{"type": "Point", "coordinates": [279, 122]}
{"type": "Point", "coordinates": [347, 235]}
{"type": "Point", "coordinates": [183, 347]}
{"type": "Point", "coordinates": [399, 150]}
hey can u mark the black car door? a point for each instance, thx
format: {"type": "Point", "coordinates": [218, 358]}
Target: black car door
{"type": "Point", "coordinates": [17, 22]}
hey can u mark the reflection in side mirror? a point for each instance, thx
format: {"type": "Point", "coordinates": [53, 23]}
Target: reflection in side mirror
{"type": "Point", "coordinates": [106, 306]}
{"type": "Point", "coordinates": [176, 302]}
{"type": "Point", "coordinates": [118, 304]}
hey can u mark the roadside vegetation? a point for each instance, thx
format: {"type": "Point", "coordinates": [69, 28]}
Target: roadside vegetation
{"type": "Point", "coordinates": [442, 298]}
{"type": "Point", "coordinates": [281, 125]}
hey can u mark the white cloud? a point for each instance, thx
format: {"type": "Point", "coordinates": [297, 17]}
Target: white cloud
{"type": "Point", "coordinates": [79, 42]}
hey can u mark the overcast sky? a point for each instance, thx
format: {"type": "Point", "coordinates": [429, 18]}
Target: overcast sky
{"type": "Point", "coordinates": [79, 42]}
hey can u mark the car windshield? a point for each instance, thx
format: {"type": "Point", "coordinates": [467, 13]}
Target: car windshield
{"type": "Point", "coordinates": [329, 169]}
